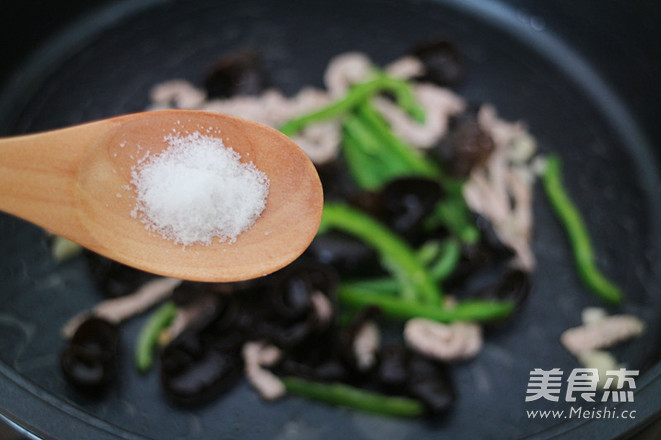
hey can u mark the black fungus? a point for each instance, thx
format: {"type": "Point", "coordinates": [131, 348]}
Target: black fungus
{"type": "Point", "coordinates": [514, 286]}
{"type": "Point", "coordinates": [229, 327]}
{"type": "Point", "coordinates": [115, 279]}
{"type": "Point", "coordinates": [317, 359]}
{"type": "Point", "coordinates": [481, 264]}
{"type": "Point", "coordinates": [237, 73]}
{"type": "Point", "coordinates": [90, 358]}
{"type": "Point", "coordinates": [347, 255]}
{"type": "Point", "coordinates": [393, 368]}
{"type": "Point", "coordinates": [465, 146]}
{"type": "Point", "coordinates": [331, 370]}
{"type": "Point", "coordinates": [325, 279]}
{"type": "Point", "coordinates": [283, 313]}
{"type": "Point", "coordinates": [193, 373]}
{"type": "Point", "coordinates": [189, 292]}
{"type": "Point", "coordinates": [336, 180]}
{"type": "Point", "coordinates": [86, 374]}
{"type": "Point", "coordinates": [321, 278]}
{"type": "Point", "coordinates": [490, 242]}
{"type": "Point", "coordinates": [290, 299]}
{"type": "Point", "coordinates": [286, 335]}
{"type": "Point", "coordinates": [442, 61]}
{"type": "Point", "coordinates": [404, 372]}
{"type": "Point", "coordinates": [430, 382]}
{"type": "Point", "coordinates": [407, 201]}
{"type": "Point", "coordinates": [370, 202]}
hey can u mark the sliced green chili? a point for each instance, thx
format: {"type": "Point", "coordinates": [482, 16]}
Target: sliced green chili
{"type": "Point", "coordinates": [429, 251]}
{"type": "Point", "coordinates": [578, 235]}
{"type": "Point", "coordinates": [449, 257]}
{"type": "Point", "coordinates": [368, 164]}
{"type": "Point", "coordinates": [384, 285]}
{"type": "Point", "coordinates": [344, 395]}
{"type": "Point", "coordinates": [453, 213]}
{"type": "Point", "coordinates": [374, 155]}
{"type": "Point", "coordinates": [392, 249]}
{"type": "Point", "coordinates": [404, 96]}
{"type": "Point", "coordinates": [359, 93]}
{"type": "Point", "coordinates": [441, 259]}
{"type": "Point", "coordinates": [365, 172]}
{"type": "Point", "coordinates": [416, 163]}
{"type": "Point", "coordinates": [148, 337]}
{"type": "Point", "coordinates": [473, 310]}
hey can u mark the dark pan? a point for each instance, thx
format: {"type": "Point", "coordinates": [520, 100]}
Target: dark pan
{"type": "Point", "coordinates": [104, 66]}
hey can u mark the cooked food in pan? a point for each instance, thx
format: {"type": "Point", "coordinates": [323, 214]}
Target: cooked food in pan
{"type": "Point", "coordinates": [425, 245]}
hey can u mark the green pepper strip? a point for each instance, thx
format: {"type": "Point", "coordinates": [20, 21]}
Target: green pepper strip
{"type": "Point", "coordinates": [374, 155]}
{"type": "Point", "coordinates": [403, 262]}
{"type": "Point", "coordinates": [148, 337]}
{"type": "Point", "coordinates": [362, 150]}
{"type": "Point", "coordinates": [355, 96]}
{"type": "Point", "coordinates": [453, 213]}
{"type": "Point", "coordinates": [404, 96]}
{"type": "Point", "coordinates": [440, 267]}
{"type": "Point", "coordinates": [445, 265]}
{"type": "Point", "coordinates": [416, 163]}
{"type": "Point", "coordinates": [429, 251]}
{"type": "Point", "coordinates": [351, 397]}
{"type": "Point", "coordinates": [473, 310]}
{"type": "Point", "coordinates": [360, 165]}
{"type": "Point", "coordinates": [570, 217]}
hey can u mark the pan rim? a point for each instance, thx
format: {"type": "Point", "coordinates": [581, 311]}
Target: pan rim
{"type": "Point", "coordinates": [505, 19]}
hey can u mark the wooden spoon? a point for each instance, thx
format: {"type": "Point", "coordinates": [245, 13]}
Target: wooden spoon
{"type": "Point", "coordinates": [74, 182]}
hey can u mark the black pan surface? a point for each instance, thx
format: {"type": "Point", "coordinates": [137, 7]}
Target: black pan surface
{"type": "Point", "coordinates": [105, 65]}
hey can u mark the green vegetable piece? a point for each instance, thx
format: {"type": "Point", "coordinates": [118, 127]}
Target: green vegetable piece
{"type": "Point", "coordinates": [392, 249]}
{"type": "Point", "coordinates": [63, 249]}
{"type": "Point", "coordinates": [361, 166]}
{"type": "Point", "coordinates": [416, 163]}
{"type": "Point", "coordinates": [397, 308]}
{"type": "Point", "coordinates": [384, 285]}
{"type": "Point", "coordinates": [370, 166]}
{"type": "Point", "coordinates": [578, 235]}
{"type": "Point", "coordinates": [441, 259]}
{"type": "Point", "coordinates": [404, 96]}
{"type": "Point", "coordinates": [450, 254]}
{"type": "Point", "coordinates": [428, 251]}
{"type": "Point", "coordinates": [359, 93]}
{"type": "Point", "coordinates": [351, 397]}
{"type": "Point", "coordinates": [453, 213]}
{"type": "Point", "coordinates": [147, 340]}
{"type": "Point", "coordinates": [370, 158]}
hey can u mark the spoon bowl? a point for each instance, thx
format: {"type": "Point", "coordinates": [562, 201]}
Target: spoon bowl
{"type": "Point", "coordinates": [76, 182]}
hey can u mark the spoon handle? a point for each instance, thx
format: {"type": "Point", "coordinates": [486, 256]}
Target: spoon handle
{"type": "Point", "coordinates": [38, 175]}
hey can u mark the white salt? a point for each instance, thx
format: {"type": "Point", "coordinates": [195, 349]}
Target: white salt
{"type": "Point", "coordinates": [197, 189]}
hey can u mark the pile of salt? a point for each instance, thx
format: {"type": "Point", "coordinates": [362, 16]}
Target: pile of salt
{"type": "Point", "coordinates": [198, 189]}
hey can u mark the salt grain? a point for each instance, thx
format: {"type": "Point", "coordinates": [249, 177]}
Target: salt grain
{"type": "Point", "coordinates": [197, 189]}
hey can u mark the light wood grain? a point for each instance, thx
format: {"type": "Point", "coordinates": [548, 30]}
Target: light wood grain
{"type": "Point", "coordinates": [73, 182]}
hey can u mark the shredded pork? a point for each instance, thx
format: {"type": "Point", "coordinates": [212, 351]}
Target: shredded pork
{"type": "Point", "coordinates": [256, 356]}
{"type": "Point", "coordinates": [445, 342]}
{"type": "Point", "coordinates": [502, 190]}
{"type": "Point", "coordinates": [602, 333]}
{"type": "Point", "coordinates": [119, 309]}
{"type": "Point", "coordinates": [366, 344]}
{"type": "Point", "coordinates": [346, 69]}
{"type": "Point", "coordinates": [438, 103]}
{"type": "Point", "coordinates": [323, 308]}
